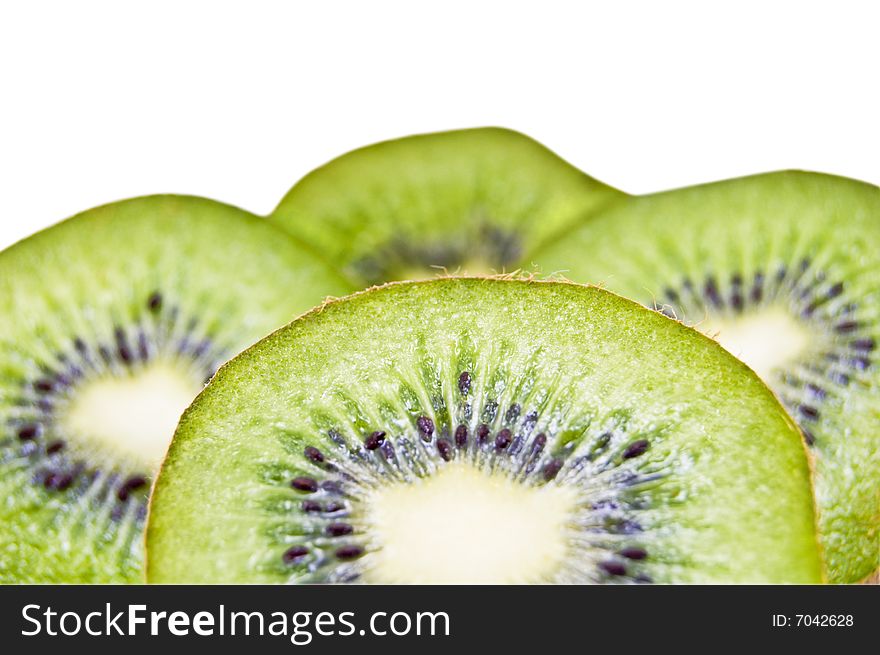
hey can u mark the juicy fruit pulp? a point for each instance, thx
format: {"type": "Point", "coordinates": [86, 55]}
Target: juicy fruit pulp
{"type": "Point", "coordinates": [112, 321]}
{"type": "Point", "coordinates": [783, 269]}
{"type": "Point", "coordinates": [547, 432]}
{"type": "Point", "coordinates": [468, 201]}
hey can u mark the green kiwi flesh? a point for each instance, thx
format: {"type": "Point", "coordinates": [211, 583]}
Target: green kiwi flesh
{"type": "Point", "coordinates": [484, 430]}
{"type": "Point", "coordinates": [466, 201]}
{"type": "Point", "coordinates": [111, 323]}
{"type": "Point", "coordinates": [784, 270]}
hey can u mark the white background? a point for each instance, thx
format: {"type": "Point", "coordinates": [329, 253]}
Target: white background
{"type": "Point", "coordinates": [237, 100]}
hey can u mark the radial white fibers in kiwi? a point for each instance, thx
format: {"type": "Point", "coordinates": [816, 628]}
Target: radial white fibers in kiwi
{"type": "Point", "coordinates": [484, 431]}
{"type": "Point", "coordinates": [465, 201]}
{"type": "Point", "coordinates": [784, 270]}
{"type": "Point", "coordinates": [111, 323]}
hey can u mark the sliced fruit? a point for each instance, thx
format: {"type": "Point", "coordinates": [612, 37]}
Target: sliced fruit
{"type": "Point", "coordinates": [111, 323]}
{"type": "Point", "coordinates": [784, 270]}
{"type": "Point", "coordinates": [467, 201]}
{"type": "Point", "coordinates": [484, 430]}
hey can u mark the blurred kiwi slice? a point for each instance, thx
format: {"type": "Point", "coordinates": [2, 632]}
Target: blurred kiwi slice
{"type": "Point", "coordinates": [466, 201]}
{"type": "Point", "coordinates": [784, 270]}
{"type": "Point", "coordinates": [111, 323]}
{"type": "Point", "coordinates": [484, 431]}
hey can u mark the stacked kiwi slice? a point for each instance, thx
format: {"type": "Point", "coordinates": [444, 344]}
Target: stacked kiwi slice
{"type": "Point", "coordinates": [485, 426]}
{"type": "Point", "coordinates": [476, 201]}
{"type": "Point", "coordinates": [784, 270]}
{"type": "Point", "coordinates": [111, 323]}
{"type": "Point", "coordinates": [484, 431]}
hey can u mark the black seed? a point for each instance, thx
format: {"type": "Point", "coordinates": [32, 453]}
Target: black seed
{"type": "Point", "coordinates": [808, 412]}
{"type": "Point", "coordinates": [757, 288]}
{"type": "Point", "coordinates": [314, 454]}
{"type": "Point", "coordinates": [863, 344]}
{"type": "Point", "coordinates": [809, 438]}
{"type": "Point", "coordinates": [445, 449]}
{"type": "Point", "coordinates": [603, 439]}
{"type": "Point", "coordinates": [835, 290]}
{"type": "Point", "coordinates": [711, 291]}
{"type": "Point", "coordinates": [202, 348]}
{"type": "Point", "coordinates": [333, 506]}
{"type": "Point", "coordinates": [482, 433]}
{"type": "Point", "coordinates": [57, 481]}
{"type": "Point", "coordinates": [349, 552]}
{"type": "Point", "coordinates": [489, 411]}
{"type": "Point", "coordinates": [502, 440]}
{"type": "Point", "coordinates": [809, 310]}
{"type": "Point", "coordinates": [143, 347]}
{"type": "Point", "coordinates": [374, 440]}
{"type": "Point", "coordinates": [539, 443]}
{"type": "Point", "coordinates": [512, 413]}
{"type": "Point", "coordinates": [671, 295]}
{"type": "Point", "coordinates": [311, 506]}
{"type": "Point", "coordinates": [552, 468]}
{"type": "Point", "coordinates": [644, 578]}
{"type": "Point", "coordinates": [44, 385]}
{"type": "Point", "coordinates": [55, 447]}
{"type": "Point", "coordinates": [846, 326]}
{"type": "Point", "coordinates": [29, 431]}
{"type": "Point", "coordinates": [635, 449]}
{"type": "Point", "coordinates": [736, 279]}
{"type": "Point", "coordinates": [304, 484]}
{"type": "Point", "coordinates": [80, 346]}
{"type": "Point", "coordinates": [130, 484]}
{"type": "Point", "coordinates": [339, 529]}
{"type": "Point", "coordinates": [294, 554]}
{"type": "Point", "coordinates": [461, 436]}
{"type": "Point", "coordinates": [736, 301]}
{"type": "Point", "coordinates": [860, 363]}
{"type": "Point", "coordinates": [426, 427]}
{"type": "Point", "coordinates": [839, 378]}
{"type": "Point", "coordinates": [464, 383]}
{"type": "Point", "coordinates": [612, 568]}
{"type": "Point", "coordinates": [816, 391]}
{"type": "Point", "coordinates": [604, 504]}
{"type": "Point", "coordinates": [634, 552]}
{"type": "Point", "coordinates": [154, 302]}
{"type": "Point", "coordinates": [125, 354]}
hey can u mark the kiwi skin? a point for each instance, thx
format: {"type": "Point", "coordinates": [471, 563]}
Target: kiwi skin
{"type": "Point", "coordinates": [803, 244]}
{"type": "Point", "coordinates": [472, 201]}
{"type": "Point", "coordinates": [191, 540]}
{"type": "Point", "coordinates": [85, 298]}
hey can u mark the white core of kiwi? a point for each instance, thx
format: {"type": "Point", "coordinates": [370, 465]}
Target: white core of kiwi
{"type": "Point", "coordinates": [132, 415]}
{"type": "Point", "coordinates": [425, 531]}
{"type": "Point", "coordinates": [764, 340]}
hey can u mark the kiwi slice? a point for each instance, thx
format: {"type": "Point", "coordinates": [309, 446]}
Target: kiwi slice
{"type": "Point", "coordinates": [484, 431]}
{"type": "Point", "coordinates": [784, 270]}
{"type": "Point", "coordinates": [111, 323]}
{"type": "Point", "coordinates": [467, 201]}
